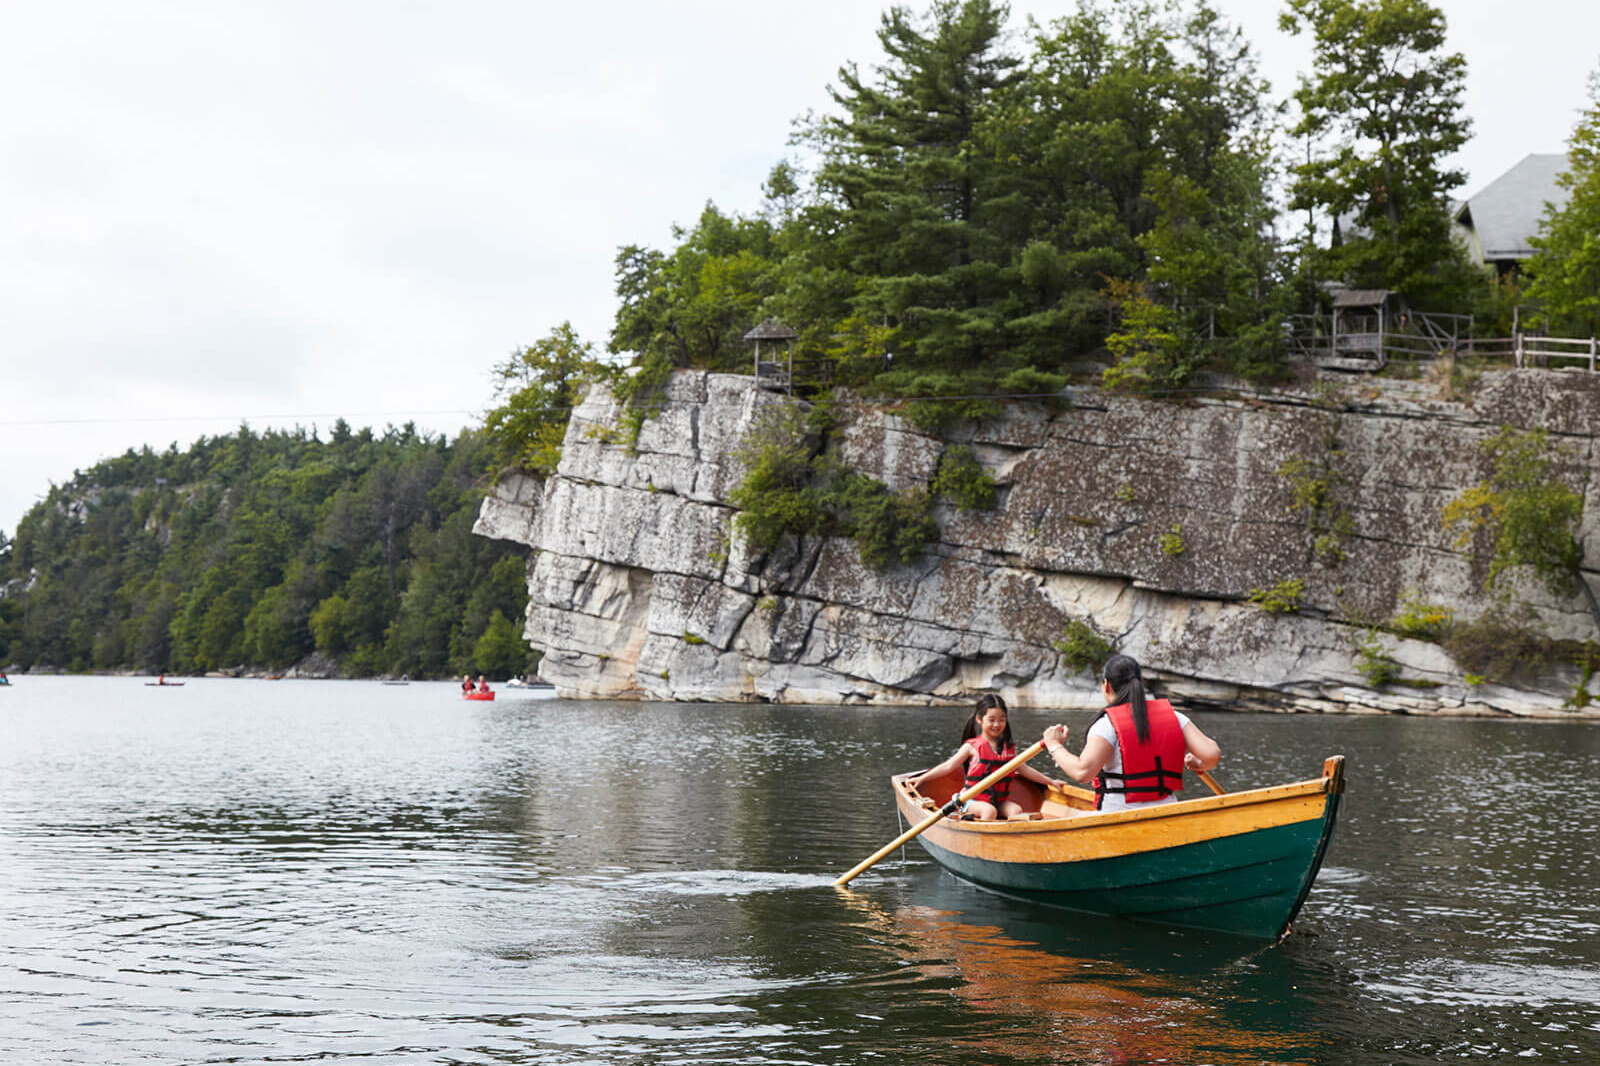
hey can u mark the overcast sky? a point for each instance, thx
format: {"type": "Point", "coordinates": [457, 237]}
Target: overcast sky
{"type": "Point", "coordinates": [286, 212]}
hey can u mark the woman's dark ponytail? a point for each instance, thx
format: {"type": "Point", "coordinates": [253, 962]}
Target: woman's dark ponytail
{"type": "Point", "coordinates": [1127, 686]}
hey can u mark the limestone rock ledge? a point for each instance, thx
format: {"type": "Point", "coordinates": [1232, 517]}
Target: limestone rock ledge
{"type": "Point", "coordinates": [640, 588]}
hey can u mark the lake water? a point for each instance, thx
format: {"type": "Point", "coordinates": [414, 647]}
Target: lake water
{"type": "Point", "coordinates": [255, 871]}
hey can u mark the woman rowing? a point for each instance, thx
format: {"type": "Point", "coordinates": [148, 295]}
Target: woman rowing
{"type": "Point", "coordinates": [1136, 751]}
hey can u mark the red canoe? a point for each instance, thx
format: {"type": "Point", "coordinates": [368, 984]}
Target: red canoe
{"type": "Point", "coordinates": [477, 695]}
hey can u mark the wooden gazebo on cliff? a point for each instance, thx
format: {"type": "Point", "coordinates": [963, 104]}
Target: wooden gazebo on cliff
{"type": "Point", "coordinates": [1367, 326]}
{"type": "Point", "coordinates": [774, 373]}
{"type": "Point", "coordinates": [1361, 317]}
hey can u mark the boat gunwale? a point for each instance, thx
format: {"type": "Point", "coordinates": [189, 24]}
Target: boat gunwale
{"type": "Point", "coordinates": [1327, 784]}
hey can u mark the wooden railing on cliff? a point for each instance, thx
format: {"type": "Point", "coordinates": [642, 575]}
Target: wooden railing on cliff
{"type": "Point", "coordinates": [1532, 350]}
{"type": "Point", "coordinates": [1427, 336]}
{"type": "Point", "coordinates": [797, 377]}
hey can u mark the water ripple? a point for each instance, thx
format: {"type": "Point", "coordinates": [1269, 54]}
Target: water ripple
{"type": "Point", "coordinates": [283, 873]}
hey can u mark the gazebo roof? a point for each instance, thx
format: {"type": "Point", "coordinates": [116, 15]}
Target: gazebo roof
{"type": "Point", "coordinates": [771, 330]}
{"type": "Point", "coordinates": [1360, 297]}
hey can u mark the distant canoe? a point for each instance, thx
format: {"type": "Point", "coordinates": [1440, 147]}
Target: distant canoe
{"type": "Point", "coordinates": [477, 695]}
{"type": "Point", "coordinates": [163, 684]}
{"type": "Point", "coordinates": [1241, 862]}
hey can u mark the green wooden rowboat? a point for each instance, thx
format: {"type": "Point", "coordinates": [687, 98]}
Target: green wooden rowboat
{"type": "Point", "coordinates": [1239, 862]}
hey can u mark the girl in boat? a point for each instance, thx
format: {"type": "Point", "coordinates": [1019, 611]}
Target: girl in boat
{"type": "Point", "coordinates": [986, 746]}
{"type": "Point", "coordinates": [466, 685]}
{"type": "Point", "coordinates": [1136, 750]}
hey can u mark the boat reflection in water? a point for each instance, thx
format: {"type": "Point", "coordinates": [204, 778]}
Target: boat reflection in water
{"type": "Point", "coordinates": [1103, 991]}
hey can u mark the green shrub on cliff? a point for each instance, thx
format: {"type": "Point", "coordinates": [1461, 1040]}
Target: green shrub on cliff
{"type": "Point", "coordinates": [1314, 488]}
{"type": "Point", "coordinates": [940, 398]}
{"type": "Point", "coordinates": [777, 495]}
{"type": "Point", "coordinates": [792, 486]}
{"type": "Point", "coordinates": [1373, 661]}
{"type": "Point", "coordinates": [1502, 645]}
{"type": "Point", "coordinates": [1081, 647]}
{"type": "Point", "coordinates": [963, 481]}
{"type": "Point", "coordinates": [1528, 515]}
{"type": "Point", "coordinates": [1281, 598]}
{"type": "Point", "coordinates": [1171, 542]}
{"type": "Point", "coordinates": [1151, 351]}
{"type": "Point", "coordinates": [1422, 621]}
{"type": "Point", "coordinates": [886, 526]}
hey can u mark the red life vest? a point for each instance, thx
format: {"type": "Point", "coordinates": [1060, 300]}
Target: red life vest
{"type": "Point", "coordinates": [1151, 770]}
{"type": "Point", "coordinates": [987, 762]}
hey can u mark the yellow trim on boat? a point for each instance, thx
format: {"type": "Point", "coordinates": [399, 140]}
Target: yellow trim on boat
{"type": "Point", "coordinates": [1070, 834]}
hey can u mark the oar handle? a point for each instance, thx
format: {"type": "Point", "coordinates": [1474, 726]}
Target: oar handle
{"type": "Point", "coordinates": [948, 809]}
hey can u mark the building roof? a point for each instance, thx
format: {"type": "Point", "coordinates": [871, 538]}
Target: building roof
{"type": "Point", "coordinates": [1505, 213]}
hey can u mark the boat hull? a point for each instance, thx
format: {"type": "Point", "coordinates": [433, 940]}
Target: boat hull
{"type": "Point", "coordinates": [477, 695]}
{"type": "Point", "coordinates": [1241, 863]}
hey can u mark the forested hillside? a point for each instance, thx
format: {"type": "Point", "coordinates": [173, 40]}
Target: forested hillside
{"type": "Point", "coordinates": [259, 550]}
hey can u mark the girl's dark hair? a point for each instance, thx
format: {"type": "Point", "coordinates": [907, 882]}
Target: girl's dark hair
{"type": "Point", "coordinates": [1127, 686]}
{"type": "Point", "coordinates": [973, 728]}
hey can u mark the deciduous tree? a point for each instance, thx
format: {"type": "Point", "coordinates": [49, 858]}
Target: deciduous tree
{"type": "Point", "coordinates": [1384, 98]}
{"type": "Point", "coordinates": [1565, 269]}
{"type": "Point", "coordinates": [537, 387]}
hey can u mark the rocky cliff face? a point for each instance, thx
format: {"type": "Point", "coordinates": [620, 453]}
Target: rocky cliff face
{"type": "Point", "coordinates": [1151, 521]}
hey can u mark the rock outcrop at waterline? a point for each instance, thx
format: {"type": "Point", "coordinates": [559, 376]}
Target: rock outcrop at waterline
{"type": "Point", "coordinates": [1152, 521]}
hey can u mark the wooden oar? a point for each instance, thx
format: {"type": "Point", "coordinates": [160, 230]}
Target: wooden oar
{"type": "Point", "coordinates": [1210, 781]}
{"type": "Point", "coordinates": [948, 809]}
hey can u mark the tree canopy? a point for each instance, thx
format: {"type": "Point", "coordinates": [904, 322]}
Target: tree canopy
{"type": "Point", "coordinates": [1565, 270]}
{"type": "Point", "coordinates": [956, 220]}
{"type": "Point", "coordinates": [1387, 95]}
{"type": "Point", "coordinates": [983, 207]}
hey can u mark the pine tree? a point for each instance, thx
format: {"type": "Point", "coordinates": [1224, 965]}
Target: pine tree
{"type": "Point", "coordinates": [1141, 149]}
{"type": "Point", "coordinates": [906, 187]}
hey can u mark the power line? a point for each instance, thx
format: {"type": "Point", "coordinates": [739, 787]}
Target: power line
{"type": "Point", "coordinates": [855, 401]}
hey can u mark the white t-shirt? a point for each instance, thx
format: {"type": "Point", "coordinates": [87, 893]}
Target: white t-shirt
{"type": "Point", "coordinates": [1114, 801]}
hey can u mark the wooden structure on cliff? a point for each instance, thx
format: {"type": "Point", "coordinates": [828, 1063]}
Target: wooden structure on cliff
{"type": "Point", "coordinates": [1533, 349]}
{"type": "Point", "coordinates": [779, 371]}
{"type": "Point", "coordinates": [1367, 326]}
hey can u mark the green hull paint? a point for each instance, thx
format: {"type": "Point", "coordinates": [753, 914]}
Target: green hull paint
{"type": "Point", "coordinates": [1251, 884]}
